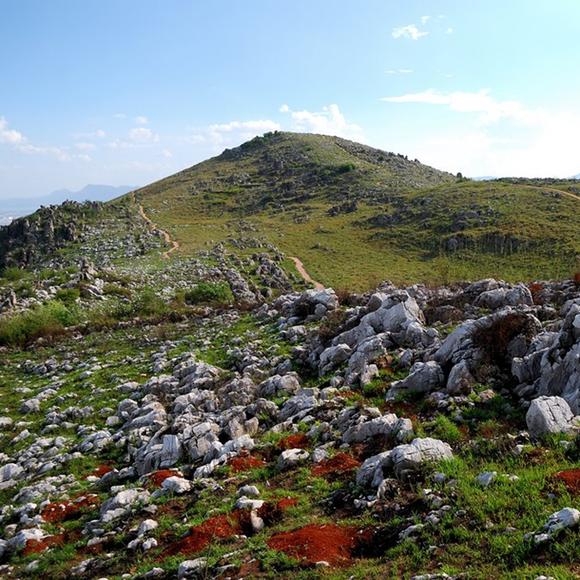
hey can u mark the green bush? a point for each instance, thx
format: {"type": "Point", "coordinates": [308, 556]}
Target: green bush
{"type": "Point", "coordinates": [148, 303]}
{"type": "Point", "coordinates": [210, 293]}
{"type": "Point", "coordinates": [116, 290]}
{"type": "Point", "coordinates": [47, 320]}
{"type": "Point", "coordinates": [68, 296]}
{"type": "Point", "coordinates": [345, 168]}
{"type": "Point", "coordinates": [443, 428]}
{"type": "Point", "coordinates": [13, 274]}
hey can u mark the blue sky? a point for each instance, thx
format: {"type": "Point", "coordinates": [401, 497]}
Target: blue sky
{"type": "Point", "coordinates": [128, 91]}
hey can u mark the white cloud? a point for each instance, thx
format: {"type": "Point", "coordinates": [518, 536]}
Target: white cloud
{"type": "Point", "coordinates": [167, 154]}
{"type": "Point", "coordinates": [449, 30]}
{"type": "Point", "coordinates": [425, 19]}
{"type": "Point", "coordinates": [410, 31]}
{"type": "Point", "coordinates": [57, 152]}
{"type": "Point", "coordinates": [259, 126]}
{"type": "Point", "coordinates": [329, 121]}
{"type": "Point", "coordinates": [221, 135]}
{"type": "Point", "coordinates": [143, 135]}
{"type": "Point", "coordinates": [10, 136]}
{"type": "Point", "coordinates": [141, 120]}
{"type": "Point", "coordinates": [399, 71]}
{"type": "Point", "coordinates": [539, 142]}
{"type": "Point", "coordinates": [98, 134]}
{"type": "Point", "coordinates": [284, 109]}
{"type": "Point", "coordinates": [120, 116]}
{"type": "Point", "coordinates": [20, 143]}
{"type": "Point", "coordinates": [488, 108]}
{"type": "Point", "coordinates": [85, 146]}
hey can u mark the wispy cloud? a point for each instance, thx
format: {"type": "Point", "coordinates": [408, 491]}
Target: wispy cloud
{"type": "Point", "coordinates": [328, 121]}
{"type": "Point", "coordinates": [540, 142]}
{"type": "Point", "coordinates": [410, 31]}
{"type": "Point", "coordinates": [141, 120]}
{"type": "Point", "coordinates": [399, 71]}
{"type": "Point", "coordinates": [232, 133]}
{"type": "Point", "coordinates": [143, 135]}
{"type": "Point", "coordinates": [481, 102]}
{"type": "Point", "coordinates": [10, 136]}
{"type": "Point", "coordinates": [20, 143]}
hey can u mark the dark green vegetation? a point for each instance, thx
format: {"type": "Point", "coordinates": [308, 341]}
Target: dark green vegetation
{"type": "Point", "coordinates": [209, 293]}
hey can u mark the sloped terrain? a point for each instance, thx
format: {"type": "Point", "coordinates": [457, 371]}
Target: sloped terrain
{"type": "Point", "coordinates": [177, 401]}
{"type": "Point", "coordinates": [354, 214]}
{"type": "Point", "coordinates": [175, 427]}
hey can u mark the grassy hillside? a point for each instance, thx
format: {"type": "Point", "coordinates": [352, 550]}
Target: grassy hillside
{"type": "Point", "coordinates": [355, 215]}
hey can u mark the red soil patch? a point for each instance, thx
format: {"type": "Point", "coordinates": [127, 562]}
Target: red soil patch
{"type": "Point", "coordinates": [286, 502]}
{"type": "Point", "coordinates": [570, 478]}
{"type": "Point", "coordinates": [245, 463]}
{"type": "Point", "coordinates": [68, 510]}
{"type": "Point", "coordinates": [37, 546]}
{"type": "Point", "coordinates": [340, 464]}
{"type": "Point", "coordinates": [199, 537]}
{"type": "Point", "coordinates": [101, 470]}
{"type": "Point", "coordinates": [298, 441]}
{"type": "Point", "coordinates": [318, 543]}
{"type": "Point", "coordinates": [158, 477]}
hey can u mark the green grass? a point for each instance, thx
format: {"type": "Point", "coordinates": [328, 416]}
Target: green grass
{"type": "Point", "coordinates": [199, 209]}
{"type": "Point", "coordinates": [47, 320]}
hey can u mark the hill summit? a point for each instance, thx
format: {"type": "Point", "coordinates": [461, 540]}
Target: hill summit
{"type": "Point", "coordinates": [282, 170]}
{"type": "Point", "coordinates": [349, 213]}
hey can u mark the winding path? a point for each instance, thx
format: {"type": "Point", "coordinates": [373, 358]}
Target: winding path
{"type": "Point", "coordinates": [166, 235]}
{"type": "Point", "coordinates": [567, 193]}
{"type": "Point", "coordinates": [305, 275]}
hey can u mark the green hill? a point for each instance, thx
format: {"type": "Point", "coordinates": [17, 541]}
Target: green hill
{"type": "Point", "coordinates": [354, 214]}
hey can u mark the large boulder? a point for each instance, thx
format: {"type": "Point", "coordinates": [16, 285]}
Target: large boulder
{"type": "Point", "coordinates": [333, 356]}
{"type": "Point", "coordinates": [410, 458]}
{"type": "Point", "coordinates": [549, 415]}
{"type": "Point", "coordinates": [500, 297]}
{"type": "Point", "coordinates": [388, 426]}
{"type": "Point", "coordinates": [405, 460]}
{"type": "Point", "coordinates": [423, 378]}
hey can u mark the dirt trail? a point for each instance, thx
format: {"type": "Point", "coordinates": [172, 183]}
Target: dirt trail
{"type": "Point", "coordinates": [166, 236]}
{"type": "Point", "coordinates": [302, 271]}
{"type": "Point", "coordinates": [567, 193]}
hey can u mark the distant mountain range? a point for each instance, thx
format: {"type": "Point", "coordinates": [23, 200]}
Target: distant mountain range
{"type": "Point", "coordinates": [16, 207]}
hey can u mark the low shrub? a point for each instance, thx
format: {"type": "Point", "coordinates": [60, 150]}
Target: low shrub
{"type": "Point", "coordinates": [13, 274]}
{"type": "Point", "coordinates": [149, 304]}
{"type": "Point", "coordinates": [443, 428]}
{"type": "Point", "coordinates": [210, 293]}
{"type": "Point", "coordinates": [67, 296]}
{"type": "Point", "coordinates": [44, 321]}
{"type": "Point", "coordinates": [116, 290]}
